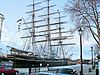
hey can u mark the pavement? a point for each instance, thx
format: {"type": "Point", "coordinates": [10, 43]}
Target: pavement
{"type": "Point", "coordinates": [93, 72]}
{"type": "Point", "coordinates": [87, 70]}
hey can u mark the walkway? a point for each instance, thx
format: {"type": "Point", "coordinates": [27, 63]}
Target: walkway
{"type": "Point", "coordinates": [91, 73]}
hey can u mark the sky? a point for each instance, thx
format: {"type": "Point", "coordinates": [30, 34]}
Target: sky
{"type": "Point", "coordinates": [13, 10]}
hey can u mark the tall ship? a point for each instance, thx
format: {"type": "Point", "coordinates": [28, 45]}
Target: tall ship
{"type": "Point", "coordinates": [44, 36]}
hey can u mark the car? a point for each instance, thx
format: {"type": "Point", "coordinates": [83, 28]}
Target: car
{"type": "Point", "coordinates": [68, 71]}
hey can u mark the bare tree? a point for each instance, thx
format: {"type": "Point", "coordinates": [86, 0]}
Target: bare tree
{"type": "Point", "coordinates": [85, 14]}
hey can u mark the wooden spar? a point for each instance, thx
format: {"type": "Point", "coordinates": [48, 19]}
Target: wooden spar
{"type": "Point", "coordinates": [60, 17]}
{"type": "Point", "coordinates": [18, 50]}
{"type": "Point", "coordinates": [47, 14]}
{"type": "Point", "coordinates": [71, 37]}
{"type": "Point", "coordinates": [43, 25]}
{"type": "Point", "coordinates": [34, 21]}
{"type": "Point", "coordinates": [64, 44]}
{"type": "Point", "coordinates": [47, 30]}
{"type": "Point", "coordinates": [37, 3]}
{"type": "Point", "coordinates": [53, 39]}
{"type": "Point", "coordinates": [61, 32]}
{"type": "Point", "coordinates": [40, 9]}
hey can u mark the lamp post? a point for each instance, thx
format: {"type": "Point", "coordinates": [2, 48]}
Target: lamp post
{"type": "Point", "coordinates": [80, 34]}
{"type": "Point", "coordinates": [40, 66]}
{"type": "Point", "coordinates": [48, 66]}
{"type": "Point", "coordinates": [92, 57]}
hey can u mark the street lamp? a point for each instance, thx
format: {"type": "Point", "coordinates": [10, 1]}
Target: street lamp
{"type": "Point", "coordinates": [92, 57]}
{"type": "Point", "coordinates": [48, 66]}
{"type": "Point", "coordinates": [40, 66]}
{"type": "Point", "coordinates": [80, 34]}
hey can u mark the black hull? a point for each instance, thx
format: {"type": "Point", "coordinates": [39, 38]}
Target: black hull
{"type": "Point", "coordinates": [27, 64]}
{"type": "Point", "coordinates": [27, 61]}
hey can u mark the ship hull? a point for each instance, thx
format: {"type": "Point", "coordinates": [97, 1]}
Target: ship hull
{"type": "Point", "coordinates": [27, 61]}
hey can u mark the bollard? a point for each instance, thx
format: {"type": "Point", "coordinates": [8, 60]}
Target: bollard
{"type": "Point", "coordinates": [90, 70]}
{"type": "Point", "coordinates": [29, 70]}
{"type": "Point", "coordinates": [97, 71]}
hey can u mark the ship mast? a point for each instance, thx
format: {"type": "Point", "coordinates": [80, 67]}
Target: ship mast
{"type": "Point", "coordinates": [49, 42]}
{"type": "Point", "coordinates": [37, 33]}
{"type": "Point", "coordinates": [33, 28]}
{"type": "Point", "coordinates": [60, 35]}
{"type": "Point", "coordinates": [1, 22]}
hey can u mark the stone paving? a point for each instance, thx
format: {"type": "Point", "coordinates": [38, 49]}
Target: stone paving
{"type": "Point", "coordinates": [87, 70]}
{"type": "Point", "coordinates": [91, 73]}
